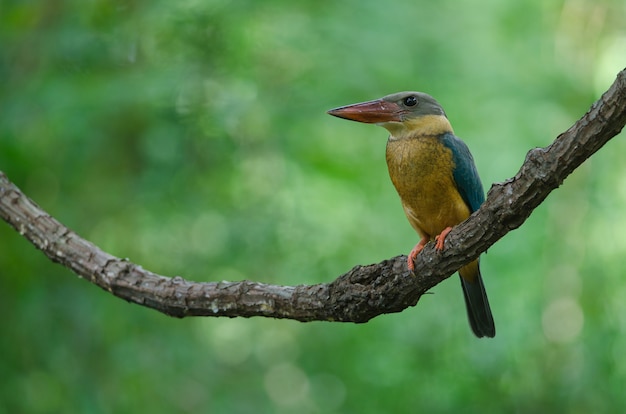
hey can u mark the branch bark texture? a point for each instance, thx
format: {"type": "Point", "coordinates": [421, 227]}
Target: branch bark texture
{"type": "Point", "coordinates": [358, 295]}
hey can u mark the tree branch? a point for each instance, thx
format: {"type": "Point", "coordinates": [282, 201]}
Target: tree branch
{"type": "Point", "coordinates": [365, 291]}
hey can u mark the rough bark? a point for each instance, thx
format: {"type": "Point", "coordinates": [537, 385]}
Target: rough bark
{"type": "Point", "coordinates": [362, 293]}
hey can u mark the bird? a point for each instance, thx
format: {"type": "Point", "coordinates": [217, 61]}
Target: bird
{"type": "Point", "coordinates": [436, 178]}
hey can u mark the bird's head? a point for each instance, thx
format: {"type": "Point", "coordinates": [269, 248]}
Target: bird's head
{"type": "Point", "coordinates": [402, 114]}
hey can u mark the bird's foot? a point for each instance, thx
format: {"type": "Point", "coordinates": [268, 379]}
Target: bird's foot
{"type": "Point", "coordinates": [416, 250]}
{"type": "Point", "coordinates": [440, 240]}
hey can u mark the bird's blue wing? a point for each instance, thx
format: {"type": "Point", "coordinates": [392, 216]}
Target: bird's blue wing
{"type": "Point", "coordinates": [465, 174]}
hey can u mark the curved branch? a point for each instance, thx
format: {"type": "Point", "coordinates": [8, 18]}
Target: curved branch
{"type": "Point", "coordinates": [365, 291]}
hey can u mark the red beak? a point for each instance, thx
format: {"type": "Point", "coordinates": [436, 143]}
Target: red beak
{"type": "Point", "coordinates": [371, 112]}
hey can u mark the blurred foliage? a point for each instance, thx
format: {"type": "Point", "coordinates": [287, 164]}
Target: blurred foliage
{"type": "Point", "coordinates": [191, 137]}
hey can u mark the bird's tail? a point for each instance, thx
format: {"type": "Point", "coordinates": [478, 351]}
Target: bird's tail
{"type": "Point", "coordinates": [476, 302]}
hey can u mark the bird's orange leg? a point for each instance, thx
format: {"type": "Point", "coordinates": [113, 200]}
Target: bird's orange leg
{"type": "Point", "coordinates": [440, 240]}
{"type": "Point", "coordinates": [418, 248]}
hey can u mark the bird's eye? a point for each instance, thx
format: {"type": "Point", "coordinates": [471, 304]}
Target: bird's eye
{"type": "Point", "coordinates": [410, 101]}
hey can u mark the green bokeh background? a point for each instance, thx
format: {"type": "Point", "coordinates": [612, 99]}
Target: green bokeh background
{"type": "Point", "coordinates": [191, 137]}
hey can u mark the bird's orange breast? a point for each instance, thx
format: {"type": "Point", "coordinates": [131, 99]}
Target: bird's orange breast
{"type": "Point", "coordinates": [421, 170]}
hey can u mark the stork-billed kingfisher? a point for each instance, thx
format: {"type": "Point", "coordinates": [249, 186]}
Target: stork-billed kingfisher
{"type": "Point", "coordinates": [434, 173]}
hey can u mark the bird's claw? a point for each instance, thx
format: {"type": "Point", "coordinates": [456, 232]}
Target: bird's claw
{"type": "Point", "coordinates": [441, 239]}
{"type": "Point", "coordinates": [416, 250]}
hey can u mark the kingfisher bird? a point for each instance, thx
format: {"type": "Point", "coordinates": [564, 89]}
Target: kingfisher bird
{"type": "Point", "coordinates": [435, 176]}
